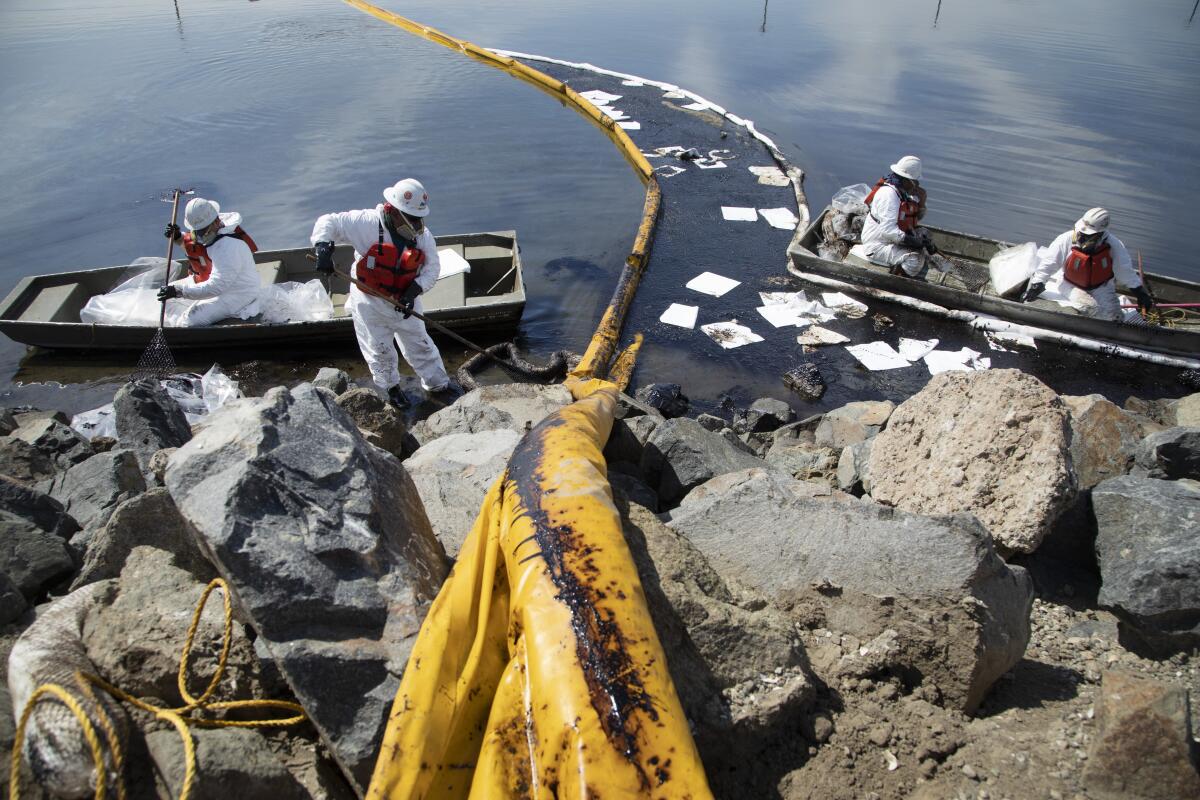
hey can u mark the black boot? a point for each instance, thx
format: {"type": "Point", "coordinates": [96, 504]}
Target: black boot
{"type": "Point", "coordinates": [447, 394]}
{"type": "Point", "coordinates": [397, 398]}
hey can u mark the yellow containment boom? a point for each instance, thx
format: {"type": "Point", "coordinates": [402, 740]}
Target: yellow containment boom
{"type": "Point", "coordinates": [538, 672]}
{"type": "Point", "coordinates": [602, 349]}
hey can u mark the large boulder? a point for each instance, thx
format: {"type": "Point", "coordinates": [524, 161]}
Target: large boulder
{"type": "Point", "coordinates": [515, 406]}
{"type": "Point", "coordinates": [666, 398]}
{"type": "Point", "coordinates": [230, 762]}
{"type": "Point", "coordinates": [853, 422]}
{"type": "Point", "coordinates": [33, 533]}
{"type": "Point", "coordinates": [452, 475]}
{"type": "Point", "coordinates": [63, 446]}
{"type": "Point", "coordinates": [381, 423]}
{"type": "Point", "coordinates": [1171, 454]}
{"type": "Point", "coordinates": [325, 542]}
{"type": "Point", "coordinates": [1184, 412]}
{"type": "Point", "coordinates": [680, 455]}
{"type": "Point", "coordinates": [12, 602]}
{"type": "Point", "coordinates": [23, 462]}
{"type": "Point", "coordinates": [1143, 747]}
{"type": "Point", "coordinates": [39, 508]}
{"type": "Point", "coordinates": [151, 520]}
{"type": "Point", "coordinates": [148, 419]}
{"type": "Point", "coordinates": [963, 615]}
{"type": "Point", "coordinates": [1148, 547]}
{"type": "Point", "coordinates": [91, 490]}
{"type": "Point", "coordinates": [333, 379]}
{"type": "Point", "coordinates": [1104, 438]}
{"type": "Point", "coordinates": [993, 443]}
{"type": "Point", "coordinates": [628, 438]}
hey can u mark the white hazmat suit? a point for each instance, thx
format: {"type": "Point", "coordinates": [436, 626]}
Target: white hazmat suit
{"type": "Point", "coordinates": [882, 237]}
{"type": "Point", "coordinates": [376, 321]}
{"type": "Point", "coordinates": [1102, 301]}
{"type": "Point", "coordinates": [232, 288]}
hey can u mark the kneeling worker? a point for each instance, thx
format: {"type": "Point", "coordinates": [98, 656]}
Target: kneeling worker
{"type": "Point", "coordinates": [896, 204]}
{"type": "Point", "coordinates": [222, 275]}
{"type": "Point", "coordinates": [396, 255]}
{"type": "Point", "coordinates": [1092, 261]}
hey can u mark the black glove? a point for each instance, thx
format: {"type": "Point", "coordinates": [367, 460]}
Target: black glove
{"type": "Point", "coordinates": [324, 251]}
{"type": "Point", "coordinates": [1145, 300]}
{"type": "Point", "coordinates": [171, 231]}
{"type": "Point", "coordinates": [1032, 292]}
{"type": "Point", "coordinates": [927, 242]}
{"type": "Point", "coordinates": [405, 303]}
{"type": "Point", "coordinates": [167, 292]}
{"type": "Point", "coordinates": [912, 241]}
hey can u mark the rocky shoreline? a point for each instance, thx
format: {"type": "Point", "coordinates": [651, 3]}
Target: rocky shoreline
{"type": "Point", "coordinates": [987, 591]}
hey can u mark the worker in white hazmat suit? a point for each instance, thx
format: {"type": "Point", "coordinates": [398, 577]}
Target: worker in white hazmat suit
{"type": "Point", "coordinates": [395, 254]}
{"type": "Point", "coordinates": [1092, 261]}
{"type": "Point", "coordinates": [222, 278]}
{"type": "Point", "coordinates": [895, 205]}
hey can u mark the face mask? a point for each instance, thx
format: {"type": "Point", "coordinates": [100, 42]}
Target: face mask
{"type": "Point", "coordinates": [1088, 242]}
{"type": "Point", "coordinates": [208, 236]}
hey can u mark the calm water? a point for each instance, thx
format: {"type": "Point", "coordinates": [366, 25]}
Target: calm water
{"type": "Point", "coordinates": [1025, 112]}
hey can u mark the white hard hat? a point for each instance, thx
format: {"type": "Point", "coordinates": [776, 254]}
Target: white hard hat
{"type": "Point", "coordinates": [409, 196]}
{"type": "Point", "coordinates": [908, 167]}
{"type": "Point", "coordinates": [1094, 220]}
{"type": "Point", "coordinates": [200, 213]}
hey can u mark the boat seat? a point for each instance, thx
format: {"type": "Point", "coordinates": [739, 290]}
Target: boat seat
{"type": "Point", "coordinates": [269, 272]}
{"type": "Point", "coordinates": [448, 292]}
{"type": "Point", "coordinates": [60, 303]}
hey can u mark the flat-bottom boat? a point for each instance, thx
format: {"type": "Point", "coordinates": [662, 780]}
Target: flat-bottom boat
{"type": "Point", "coordinates": [966, 284]}
{"type": "Point", "coordinates": [43, 310]}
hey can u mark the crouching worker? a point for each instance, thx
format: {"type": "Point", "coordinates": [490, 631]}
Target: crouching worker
{"type": "Point", "coordinates": [395, 255]}
{"type": "Point", "coordinates": [1092, 262]}
{"type": "Point", "coordinates": [221, 277]}
{"type": "Point", "coordinates": [890, 233]}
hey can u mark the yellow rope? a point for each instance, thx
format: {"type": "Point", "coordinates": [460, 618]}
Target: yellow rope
{"type": "Point", "coordinates": [176, 716]}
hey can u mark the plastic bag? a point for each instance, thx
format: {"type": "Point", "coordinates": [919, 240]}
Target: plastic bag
{"type": "Point", "coordinates": [1013, 266]}
{"type": "Point", "coordinates": [295, 302]}
{"type": "Point", "coordinates": [134, 300]}
{"type": "Point", "coordinates": [849, 199]}
{"type": "Point", "coordinates": [97, 422]}
{"type": "Point", "coordinates": [197, 395]}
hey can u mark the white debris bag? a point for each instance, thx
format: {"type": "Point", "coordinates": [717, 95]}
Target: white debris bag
{"type": "Point", "coordinates": [133, 301]}
{"type": "Point", "coordinates": [849, 199]}
{"type": "Point", "coordinates": [295, 302]}
{"type": "Point", "coordinates": [1011, 267]}
{"type": "Point", "coordinates": [197, 395]}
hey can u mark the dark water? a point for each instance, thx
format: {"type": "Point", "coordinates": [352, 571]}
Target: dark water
{"type": "Point", "coordinates": [1026, 113]}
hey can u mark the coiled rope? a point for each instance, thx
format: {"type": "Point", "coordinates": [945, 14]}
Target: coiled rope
{"type": "Point", "coordinates": [178, 717]}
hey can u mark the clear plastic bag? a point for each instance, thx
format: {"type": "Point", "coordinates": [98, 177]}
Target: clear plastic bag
{"type": "Point", "coordinates": [295, 302]}
{"type": "Point", "coordinates": [1012, 266]}
{"type": "Point", "coordinates": [134, 300]}
{"type": "Point", "coordinates": [197, 395]}
{"type": "Point", "coordinates": [849, 199]}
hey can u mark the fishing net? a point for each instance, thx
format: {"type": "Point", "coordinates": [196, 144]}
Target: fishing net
{"type": "Point", "coordinates": [156, 362]}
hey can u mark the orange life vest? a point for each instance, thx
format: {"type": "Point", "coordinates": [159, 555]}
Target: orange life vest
{"type": "Point", "coordinates": [1089, 270]}
{"type": "Point", "coordinates": [387, 268]}
{"type": "Point", "coordinates": [910, 206]}
{"type": "Point", "coordinates": [199, 264]}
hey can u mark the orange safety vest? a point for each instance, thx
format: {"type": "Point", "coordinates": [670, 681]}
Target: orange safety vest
{"type": "Point", "coordinates": [199, 264]}
{"type": "Point", "coordinates": [910, 206]}
{"type": "Point", "coordinates": [387, 268]}
{"type": "Point", "coordinates": [1089, 270]}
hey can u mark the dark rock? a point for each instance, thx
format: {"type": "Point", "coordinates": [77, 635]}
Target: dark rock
{"type": "Point", "coordinates": [667, 398]}
{"type": "Point", "coordinates": [12, 606]}
{"type": "Point", "coordinates": [381, 423]}
{"type": "Point", "coordinates": [102, 444]}
{"type": "Point", "coordinates": [149, 519]}
{"type": "Point", "coordinates": [453, 474]}
{"type": "Point", "coordinates": [92, 489]}
{"type": "Point", "coordinates": [231, 762]}
{"type": "Point", "coordinates": [628, 438]}
{"type": "Point", "coordinates": [1148, 546]}
{"type": "Point", "coordinates": [806, 381]}
{"type": "Point", "coordinates": [33, 558]}
{"type": "Point", "coordinates": [680, 455]}
{"type": "Point", "coordinates": [8, 422]}
{"type": "Point", "coordinates": [628, 407]}
{"type": "Point", "coordinates": [763, 416]}
{"type": "Point", "coordinates": [633, 489]}
{"type": "Point", "coordinates": [711, 423]}
{"type": "Point", "coordinates": [1171, 454]}
{"type": "Point", "coordinates": [1190, 378]}
{"type": "Point", "coordinates": [37, 507]}
{"type": "Point", "coordinates": [23, 462]}
{"type": "Point", "coordinates": [148, 419]}
{"type": "Point", "coordinates": [64, 446]}
{"type": "Point", "coordinates": [964, 613]}
{"type": "Point", "coordinates": [1143, 746]}
{"type": "Point", "coordinates": [335, 380]}
{"type": "Point", "coordinates": [325, 542]}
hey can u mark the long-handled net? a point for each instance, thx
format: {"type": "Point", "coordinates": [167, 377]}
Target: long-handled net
{"type": "Point", "coordinates": [157, 362]}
